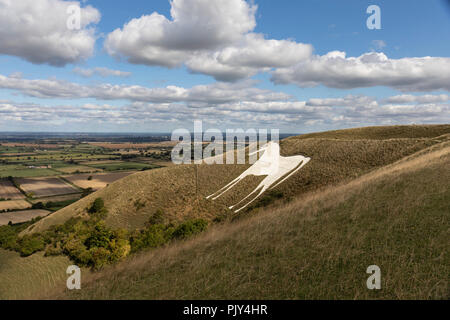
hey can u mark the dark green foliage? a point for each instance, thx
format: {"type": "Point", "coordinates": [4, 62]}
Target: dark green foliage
{"type": "Point", "coordinates": [190, 228]}
{"type": "Point", "coordinates": [53, 206]}
{"type": "Point", "coordinates": [28, 245]}
{"type": "Point", "coordinates": [97, 206]}
{"type": "Point", "coordinates": [99, 237]}
{"type": "Point", "coordinates": [89, 242]}
{"type": "Point", "coordinates": [38, 205]}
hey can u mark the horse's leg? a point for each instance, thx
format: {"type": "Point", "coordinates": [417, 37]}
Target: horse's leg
{"type": "Point", "coordinates": [260, 193]}
{"type": "Point", "coordinates": [256, 189]}
{"type": "Point", "coordinates": [301, 165]}
{"type": "Point", "coordinates": [232, 182]}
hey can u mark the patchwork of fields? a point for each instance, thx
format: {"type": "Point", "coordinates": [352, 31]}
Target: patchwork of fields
{"type": "Point", "coordinates": [52, 173]}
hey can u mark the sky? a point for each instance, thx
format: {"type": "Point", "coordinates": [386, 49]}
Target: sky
{"type": "Point", "coordinates": [156, 66]}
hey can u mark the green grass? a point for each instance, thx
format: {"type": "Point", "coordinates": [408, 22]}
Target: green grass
{"type": "Point", "coordinates": [58, 157]}
{"type": "Point", "coordinates": [23, 172]}
{"type": "Point", "coordinates": [315, 248]}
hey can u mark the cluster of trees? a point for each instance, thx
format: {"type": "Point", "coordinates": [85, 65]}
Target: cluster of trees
{"type": "Point", "coordinates": [88, 241]}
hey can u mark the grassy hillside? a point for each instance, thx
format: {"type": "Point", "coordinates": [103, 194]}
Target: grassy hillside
{"type": "Point", "coordinates": [336, 157]}
{"type": "Point", "coordinates": [317, 247]}
{"type": "Point", "coordinates": [21, 278]}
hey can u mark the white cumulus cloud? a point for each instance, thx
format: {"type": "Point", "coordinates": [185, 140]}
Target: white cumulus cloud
{"type": "Point", "coordinates": [36, 30]}
{"type": "Point", "coordinates": [195, 25]}
{"type": "Point", "coordinates": [212, 37]}
{"type": "Point", "coordinates": [336, 70]}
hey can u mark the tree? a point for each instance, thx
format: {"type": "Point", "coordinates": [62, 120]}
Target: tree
{"type": "Point", "coordinates": [97, 206]}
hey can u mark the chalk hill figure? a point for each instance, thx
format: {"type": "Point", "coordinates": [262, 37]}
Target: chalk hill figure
{"type": "Point", "coordinates": [270, 164]}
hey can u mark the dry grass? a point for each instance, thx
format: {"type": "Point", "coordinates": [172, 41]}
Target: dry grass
{"type": "Point", "coordinates": [382, 133]}
{"type": "Point", "coordinates": [21, 278]}
{"type": "Point", "coordinates": [175, 191]}
{"type": "Point", "coordinates": [316, 247]}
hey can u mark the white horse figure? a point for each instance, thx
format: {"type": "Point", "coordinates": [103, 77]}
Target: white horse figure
{"type": "Point", "coordinates": [270, 164]}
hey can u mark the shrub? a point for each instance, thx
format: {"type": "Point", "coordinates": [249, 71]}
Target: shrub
{"type": "Point", "coordinates": [120, 248]}
{"type": "Point", "coordinates": [97, 206]}
{"type": "Point", "coordinates": [190, 228]}
{"type": "Point", "coordinates": [99, 237]}
{"type": "Point", "coordinates": [99, 257]}
{"type": "Point", "coordinates": [38, 205]}
{"type": "Point", "coordinates": [30, 244]}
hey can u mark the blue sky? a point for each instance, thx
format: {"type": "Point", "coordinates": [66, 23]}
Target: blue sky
{"type": "Point", "coordinates": [410, 29]}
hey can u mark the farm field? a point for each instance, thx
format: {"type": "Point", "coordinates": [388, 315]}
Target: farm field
{"type": "Point", "coordinates": [95, 162]}
{"type": "Point", "coordinates": [49, 156]}
{"type": "Point", "coordinates": [45, 187]}
{"type": "Point", "coordinates": [21, 216]}
{"type": "Point", "coordinates": [23, 172]}
{"type": "Point", "coordinates": [9, 191]}
{"type": "Point", "coordinates": [66, 197]}
{"type": "Point", "coordinates": [121, 165]}
{"type": "Point", "coordinates": [14, 205]}
{"type": "Point", "coordinates": [78, 169]}
{"type": "Point", "coordinates": [98, 181]}
{"type": "Point", "coordinates": [117, 146]}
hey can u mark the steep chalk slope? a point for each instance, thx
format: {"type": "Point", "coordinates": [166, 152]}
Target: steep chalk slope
{"type": "Point", "coordinates": [396, 217]}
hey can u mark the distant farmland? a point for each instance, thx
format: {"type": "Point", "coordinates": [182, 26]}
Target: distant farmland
{"type": "Point", "coordinates": [45, 187]}
{"type": "Point", "coordinates": [117, 146]}
{"type": "Point", "coordinates": [120, 165]}
{"type": "Point", "coordinates": [14, 205]}
{"type": "Point", "coordinates": [98, 181]}
{"type": "Point", "coordinates": [9, 191]}
{"type": "Point", "coordinates": [21, 216]}
{"type": "Point", "coordinates": [77, 169]}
